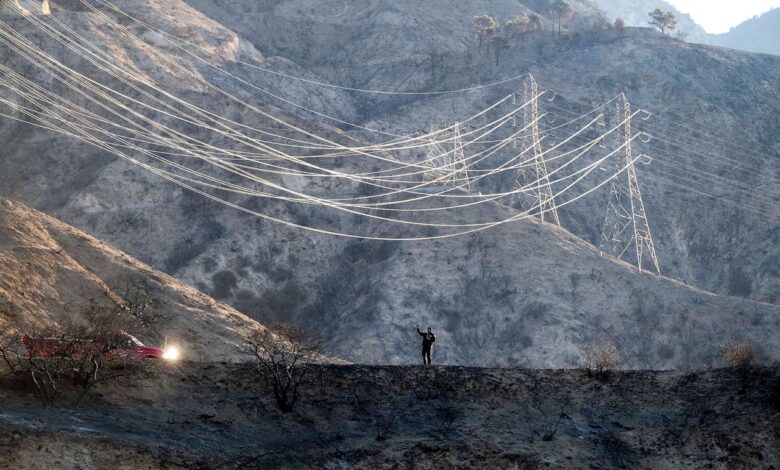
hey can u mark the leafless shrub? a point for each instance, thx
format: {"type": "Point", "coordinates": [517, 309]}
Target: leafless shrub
{"type": "Point", "coordinates": [135, 300]}
{"type": "Point", "coordinates": [682, 430]}
{"type": "Point", "coordinates": [77, 354]}
{"type": "Point", "coordinates": [430, 386]}
{"type": "Point", "coordinates": [446, 415]}
{"type": "Point", "coordinates": [550, 428]}
{"type": "Point", "coordinates": [6, 306]}
{"type": "Point", "coordinates": [600, 357]}
{"type": "Point", "coordinates": [493, 404]}
{"type": "Point", "coordinates": [22, 361]}
{"type": "Point", "coordinates": [739, 355]}
{"type": "Point", "coordinates": [96, 348]}
{"type": "Point", "coordinates": [383, 422]}
{"type": "Point", "coordinates": [285, 355]}
{"type": "Point", "coordinates": [10, 352]}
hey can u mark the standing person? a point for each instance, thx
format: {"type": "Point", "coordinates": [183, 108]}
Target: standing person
{"type": "Point", "coordinates": [427, 343]}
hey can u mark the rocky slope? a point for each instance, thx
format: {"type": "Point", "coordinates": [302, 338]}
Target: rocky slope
{"type": "Point", "coordinates": [221, 416]}
{"type": "Point", "coordinates": [51, 271]}
{"type": "Point", "coordinates": [521, 293]}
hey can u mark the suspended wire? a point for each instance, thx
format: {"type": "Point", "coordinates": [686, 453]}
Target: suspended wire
{"type": "Point", "coordinates": [391, 170]}
{"type": "Point", "coordinates": [519, 216]}
{"type": "Point", "coordinates": [759, 197]}
{"type": "Point", "coordinates": [177, 140]}
{"type": "Point", "coordinates": [737, 165]}
{"type": "Point", "coordinates": [590, 144]}
{"type": "Point", "coordinates": [718, 139]}
{"type": "Point", "coordinates": [142, 103]}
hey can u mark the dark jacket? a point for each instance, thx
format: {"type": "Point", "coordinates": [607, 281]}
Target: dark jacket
{"type": "Point", "coordinates": [428, 339]}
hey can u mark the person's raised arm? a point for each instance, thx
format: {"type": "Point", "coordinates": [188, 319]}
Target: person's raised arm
{"type": "Point", "coordinates": [420, 332]}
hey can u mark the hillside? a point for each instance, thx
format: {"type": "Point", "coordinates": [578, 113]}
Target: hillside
{"type": "Point", "coordinates": [50, 271]}
{"type": "Point", "coordinates": [758, 34]}
{"type": "Point", "coordinates": [220, 416]}
{"type": "Point", "coordinates": [635, 13]}
{"type": "Point", "coordinates": [521, 293]}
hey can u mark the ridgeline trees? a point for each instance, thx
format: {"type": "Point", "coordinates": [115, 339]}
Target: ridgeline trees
{"type": "Point", "coordinates": [662, 20]}
{"type": "Point", "coordinates": [485, 27]}
{"type": "Point", "coordinates": [517, 26]}
{"type": "Point", "coordinates": [488, 30]}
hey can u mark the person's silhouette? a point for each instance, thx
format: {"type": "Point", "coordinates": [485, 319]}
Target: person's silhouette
{"type": "Point", "coordinates": [427, 343]}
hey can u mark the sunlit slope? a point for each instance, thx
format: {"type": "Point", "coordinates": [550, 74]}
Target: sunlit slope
{"type": "Point", "coordinates": [51, 271]}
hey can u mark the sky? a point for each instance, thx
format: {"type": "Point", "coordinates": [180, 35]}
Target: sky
{"type": "Point", "coordinates": [717, 16]}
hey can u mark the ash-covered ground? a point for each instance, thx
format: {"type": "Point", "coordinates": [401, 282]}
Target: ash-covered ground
{"type": "Point", "coordinates": [220, 415]}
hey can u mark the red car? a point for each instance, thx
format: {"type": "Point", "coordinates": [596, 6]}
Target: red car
{"type": "Point", "coordinates": [121, 345]}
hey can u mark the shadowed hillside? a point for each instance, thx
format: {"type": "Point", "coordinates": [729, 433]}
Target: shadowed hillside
{"type": "Point", "coordinates": [220, 416]}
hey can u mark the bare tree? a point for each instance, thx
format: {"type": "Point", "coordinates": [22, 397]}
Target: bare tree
{"type": "Point", "coordinates": [485, 27]}
{"type": "Point", "coordinates": [446, 414]}
{"type": "Point", "coordinates": [383, 422]}
{"type": "Point", "coordinates": [134, 299]}
{"type": "Point", "coordinates": [23, 360]}
{"type": "Point", "coordinates": [534, 24]}
{"type": "Point", "coordinates": [96, 348]}
{"type": "Point", "coordinates": [82, 353]}
{"type": "Point", "coordinates": [662, 20]}
{"type": "Point", "coordinates": [285, 355]}
{"type": "Point", "coordinates": [498, 44]}
{"type": "Point", "coordinates": [560, 9]}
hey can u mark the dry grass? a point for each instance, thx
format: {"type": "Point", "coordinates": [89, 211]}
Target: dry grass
{"type": "Point", "coordinates": [600, 357]}
{"type": "Point", "coordinates": [739, 354]}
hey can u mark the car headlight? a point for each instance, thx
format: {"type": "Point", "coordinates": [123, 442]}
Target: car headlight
{"type": "Point", "coordinates": [171, 353]}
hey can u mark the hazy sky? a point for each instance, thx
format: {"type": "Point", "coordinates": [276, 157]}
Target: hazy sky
{"type": "Point", "coordinates": [717, 16]}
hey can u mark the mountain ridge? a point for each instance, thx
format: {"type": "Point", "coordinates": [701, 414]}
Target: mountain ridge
{"type": "Point", "coordinates": [758, 34]}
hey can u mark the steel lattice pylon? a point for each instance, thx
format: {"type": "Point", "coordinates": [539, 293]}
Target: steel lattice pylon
{"type": "Point", "coordinates": [449, 169]}
{"type": "Point", "coordinates": [542, 192]}
{"type": "Point", "coordinates": [625, 223]}
{"type": "Point", "coordinates": [459, 160]}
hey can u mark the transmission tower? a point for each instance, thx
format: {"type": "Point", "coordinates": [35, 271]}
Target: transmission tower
{"type": "Point", "coordinates": [448, 167]}
{"type": "Point", "coordinates": [524, 200]}
{"type": "Point", "coordinates": [542, 192]}
{"type": "Point", "coordinates": [625, 224]}
{"type": "Point", "coordinates": [459, 160]}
